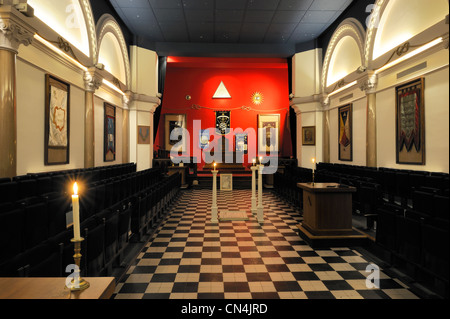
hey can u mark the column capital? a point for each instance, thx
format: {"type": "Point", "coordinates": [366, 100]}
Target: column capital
{"type": "Point", "coordinates": [127, 99]}
{"type": "Point", "coordinates": [92, 80]}
{"type": "Point", "coordinates": [368, 83]}
{"type": "Point", "coordinates": [14, 31]}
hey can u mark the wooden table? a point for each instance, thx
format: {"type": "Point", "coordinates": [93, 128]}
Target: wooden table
{"type": "Point", "coordinates": [54, 288]}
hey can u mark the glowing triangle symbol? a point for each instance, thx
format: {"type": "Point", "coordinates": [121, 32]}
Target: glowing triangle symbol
{"type": "Point", "coordinates": [222, 92]}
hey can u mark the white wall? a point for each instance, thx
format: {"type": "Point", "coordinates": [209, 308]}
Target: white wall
{"type": "Point", "coordinates": [33, 63]}
{"type": "Point", "coordinates": [30, 85]}
{"type": "Point", "coordinates": [359, 102]}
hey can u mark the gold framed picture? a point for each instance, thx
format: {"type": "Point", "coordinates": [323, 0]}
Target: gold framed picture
{"type": "Point", "coordinates": [57, 121]}
{"type": "Point", "coordinates": [410, 123]}
{"type": "Point", "coordinates": [268, 133]}
{"type": "Point", "coordinates": [309, 135]}
{"type": "Point", "coordinates": [175, 126]}
{"type": "Point", "coordinates": [144, 135]}
{"type": "Point", "coordinates": [346, 133]}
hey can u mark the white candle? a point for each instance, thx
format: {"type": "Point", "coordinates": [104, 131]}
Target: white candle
{"type": "Point", "coordinates": [314, 164]}
{"type": "Point", "coordinates": [215, 164]}
{"type": "Point", "coordinates": [254, 162]}
{"type": "Point", "coordinates": [76, 213]}
{"type": "Point", "coordinates": [260, 160]}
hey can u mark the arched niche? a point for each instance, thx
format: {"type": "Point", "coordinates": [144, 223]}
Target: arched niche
{"type": "Point", "coordinates": [345, 55]}
{"type": "Point", "coordinates": [72, 20]}
{"type": "Point", "coordinates": [112, 50]}
{"type": "Point", "coordinates": [395, 22]}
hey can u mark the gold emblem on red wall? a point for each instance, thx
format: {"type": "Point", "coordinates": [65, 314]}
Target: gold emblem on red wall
{"type": "Point", "coordinates": [257, 98]}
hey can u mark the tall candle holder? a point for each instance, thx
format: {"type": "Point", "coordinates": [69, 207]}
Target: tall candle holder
{"type": "Point", "coordinates": [78, 283]}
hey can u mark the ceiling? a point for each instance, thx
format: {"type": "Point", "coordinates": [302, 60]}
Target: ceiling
{"type": "Point", "coordinates": [218, 27]}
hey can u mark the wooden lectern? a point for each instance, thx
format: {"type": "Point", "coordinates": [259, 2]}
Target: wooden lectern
{"type": "Point", "coordinates": [327, 215]}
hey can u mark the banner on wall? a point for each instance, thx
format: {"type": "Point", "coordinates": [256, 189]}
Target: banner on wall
{"type": "Point", "coordinates": [223, 122]}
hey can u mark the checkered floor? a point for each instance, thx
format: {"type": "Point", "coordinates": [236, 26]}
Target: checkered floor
{"type": "Point", "coordinates": [190, 258]}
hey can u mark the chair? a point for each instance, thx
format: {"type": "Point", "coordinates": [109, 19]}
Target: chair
{"type": "Point", "coordinates": [57, 210]}
{"type": "Point", "coordinates": [409, 241]}
{"type": "Point", "coordinates": [35, 225]}
{"type": "Point", "coordinates": [441, 207]}
{"type": "Point", "coordinates": [11, 234]}
{"type": "Point", "coordinates": [94, 241]}
{"type": "Point", "coordinates": [435, 251]}
{"type": "Point", "coordinates": [43, 260]}
{"type": "Point", "coordinates": [110, 218]}
{"type": "Point", "coordinates": [423, 203]}
{"type": "Point", "coordinates": [8, 192]}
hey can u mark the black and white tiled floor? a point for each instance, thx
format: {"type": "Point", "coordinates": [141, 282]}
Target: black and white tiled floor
{"type": "Point", "coordinates": [190, 258]}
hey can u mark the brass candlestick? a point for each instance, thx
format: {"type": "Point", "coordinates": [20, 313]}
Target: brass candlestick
{"type": "Point", "coordinates": [313, 178]}
{"type": "Point", "coordinates": [78, 283]}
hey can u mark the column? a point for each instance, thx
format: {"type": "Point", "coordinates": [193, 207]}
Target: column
{"type": "Point", "coordinates": [326, 132]}
{"type": "Point", "coordinates": [13, 33]}
{"type": "Point", "coordinates": [126, 127]}
{"type": "Point", "coordinates": [214, 208]}
{"type": "Point", "coordinates": [368, 84]}
{"type": "Point", "coordinates": [254, 168]}
{"type": "Point", "coordinates": [92, 82]}
{"type": "Point", "coordinates": [260, 208]}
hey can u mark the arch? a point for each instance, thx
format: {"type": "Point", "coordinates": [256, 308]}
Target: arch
{"type": "Point", "coordinates": [112, 49]}
{"type": "Point", "coordinates": [393, 23]}
{"type": "Point", "coordinates": [73, 20]}
{"type": "Point", "coordinates": [345, 52]}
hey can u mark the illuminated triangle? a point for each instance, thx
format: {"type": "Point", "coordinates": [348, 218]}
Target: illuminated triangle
{"type": "Point", "coordinates": [222, 92]}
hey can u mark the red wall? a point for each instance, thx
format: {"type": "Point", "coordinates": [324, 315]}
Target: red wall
{"type": "Point", "coordinates": [200, 78]}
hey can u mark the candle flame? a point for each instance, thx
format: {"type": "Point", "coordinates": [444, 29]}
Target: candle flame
{"type": "Point", "coordinates": [313, 160]}
{"type": "Point", "coordinates": [75, 189]}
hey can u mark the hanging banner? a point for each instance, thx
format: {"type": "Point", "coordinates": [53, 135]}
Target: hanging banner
{"type": "Point", "coordinates": [223, 122]}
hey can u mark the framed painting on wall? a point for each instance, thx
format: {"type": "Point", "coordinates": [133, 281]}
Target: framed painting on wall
{"type": "Point", "coordinates": [57, 121]}
{"type": "Point", "coordinates": [144, 135]}
{"type": "Point", "coordinates": [410, 123]}
{"type": "Point", "coordinates": [242, 142]}
{"type": "Point", "coordinates": [110, 133]}
{"type": "Point", "coordinates": [309, 135]}
{"type": "Point", "coordinates": [346, 133]}
{"type": "Point", "coordinates": [204, 137]}
{"type": "Point", "coordinates": [269, 133]}
{"type": "Point", "coordinates": [175, 124]}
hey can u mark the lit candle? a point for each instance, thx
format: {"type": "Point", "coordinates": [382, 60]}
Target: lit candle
{"type": "Point", "coordinates": [314, 163]}
{"type": "Point", "coordinates": [254, 161]}
{"type": "Point", "coordinates": [260, 160]}
{"type": "Point", "coordinates": [215, 164]}
{"type": "Point", "coordinates": [76, 212]}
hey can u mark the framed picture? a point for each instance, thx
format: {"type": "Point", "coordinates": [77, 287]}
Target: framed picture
{"type": "Point", "coordinates": [144, 135]}
{"type": "Point", "coordinates": [410, 123]}
{"type": "Point", "coordinates": [346, 133]}
{"type": "Point", "coordinates": [174, 132]}
{"type": "Point", "coordinates": [309, 135]}
{"type": "Point", "coordinates": [241, 142]}
{"type": "Point", "coordinates": [57, 121]}
{"type": "Point", "coordinates": [204, 137]}
{"type": "Point", "coordinates": [223, 122]}
{"type": "Point", "coordinates": [226, 182]}
{"type": "Point", "coordinates": [110, 133]}
{"type": "Point", "coordinates": [269, 133]}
